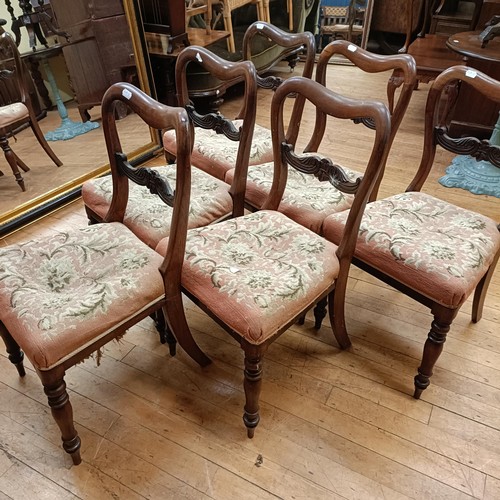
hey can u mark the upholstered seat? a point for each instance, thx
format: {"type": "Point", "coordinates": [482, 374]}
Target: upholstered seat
{"type": "Point", "coordinates": [13, 113]}
{"type": "Point", "coordinates": [436, 248]}
{"type": "Point", "coordinates": [306, 199]}
{"type": "Point", "coordinates": [148, 216]}
{"type": "Point", "coordinates": [228, 268]}
{"type": "Point", "coordinates": [59, 293]}
{"type": "Point", "coordinates": [215, 154]}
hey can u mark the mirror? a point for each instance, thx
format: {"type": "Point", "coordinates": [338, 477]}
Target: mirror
{"type": "Point", "coordinates": [104, 46]}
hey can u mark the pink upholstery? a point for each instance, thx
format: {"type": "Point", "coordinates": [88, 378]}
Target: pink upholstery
{"type": "Point", "coordinates": [148, 216]}
{"type": "Point", "coordinates": [12, 113]}
{"type": "Point", "coordinates": [216, 154]}
{"type": "Point", "coordinates": [306, 200]}
{"type": "Point", "coordinates": [65, 291]}
{"type": "Point", "coordinates": [249, 269]}
{"type": "Point", "coordinates": [438, 249]}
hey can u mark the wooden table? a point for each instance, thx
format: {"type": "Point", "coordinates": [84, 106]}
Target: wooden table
{"type": "Point", "coordinates": [473, 113]}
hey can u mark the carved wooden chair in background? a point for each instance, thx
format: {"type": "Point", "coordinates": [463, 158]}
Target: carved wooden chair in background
{"type": "Point", "coordinates": [211, 199]}
{"type": "Point", "coordinates": [64, 296]}
{"type": "Point", "coordinates": [216, 152]}
{"type": "Point", "coordinates": [431, 250]}
{"type": "Point", "coordinates": [306, 199]}
{"type": "Point", "coordinates": [256, 274]}
{"type": "Point", "coordinates": [19, 110]}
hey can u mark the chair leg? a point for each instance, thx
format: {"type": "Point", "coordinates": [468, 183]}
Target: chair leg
{"type": "Point", "coordinates": [176, 320]}
{"type": "Point", "coordinates": [16, 356]}
{"type": "Point", "coordinates": [480, 292]}
{"type": "Point", "coordinates": [336, 310]}
{"type": "Point", "coordinates": [41, 139]}
{"type": "Point", "coordinates": [62, 412]}
{"type": "Point", "coordinates": [433, 347]}
{"type": "Point", "coordinates": [21, 163]}
{"type": "Point", "coordinates": [252, 385]}
{"type": "Point", "coordinates": [11, 160]}
{"type": "Point", "coordinates": [320, 312]}
{"type": "Point", "coordinates": [228, 26]}
{"type": "Point", "coordinates": [166, 335]}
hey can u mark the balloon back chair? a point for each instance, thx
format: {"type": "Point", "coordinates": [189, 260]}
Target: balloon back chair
{"type": "Point", "coordinates": [64, 296]}
{"type": "Point", "coordinates": [431, 250]}
{"type": "Point", "coordinates": [306, 199]}
{"type": "Point", "coordinates": [211, 199]}
{"type": "Point", "coordinates": [256, 274]}
{"type": "Point", "coordinates": [216, 152]}
{"type": "Point", "coordinates": [18, 108]}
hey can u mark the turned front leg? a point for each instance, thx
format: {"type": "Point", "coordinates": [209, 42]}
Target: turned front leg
{"type": "Point", "coordinates": [432, 349]}
{"type": "Point", "coordinates": [252, 385]}
{"type": "Point", "coordinates": [62, 412]}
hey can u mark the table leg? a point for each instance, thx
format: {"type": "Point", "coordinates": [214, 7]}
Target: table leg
{"type": "Point", "coordinates": [68, 128]}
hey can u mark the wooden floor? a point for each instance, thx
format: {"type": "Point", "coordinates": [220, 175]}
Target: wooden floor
{"type": "Point", "coordinates": [335, 424]}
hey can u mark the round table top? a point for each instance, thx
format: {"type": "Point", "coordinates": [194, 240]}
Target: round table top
{"type": "Point", "coordinates": [468, 44]}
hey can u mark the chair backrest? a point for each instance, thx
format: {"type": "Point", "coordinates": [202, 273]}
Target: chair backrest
{"type": "Point", "coordinates": [225, 71]}
{"type": "Point", "coordinates": [436, 118]}
{"type": "Point", "coordinates": [324, 169]}
{"type": "Point", "coordinates": [303, 43]}
{"type": "Point", "coordinates": [160, 117]}
{"type": "Point", "coordinates": [12, 87]}
{"type": "Point", "coordinates": [404, 69]}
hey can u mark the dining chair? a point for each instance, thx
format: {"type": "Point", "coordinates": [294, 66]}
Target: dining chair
{"type": "Point", "coordinates": [256, 274]}
{"type": "Point", "coordinates": [65, 295]}
{"type": "Point", "coordinates": [427, 248]}
{"type": "Point", "coordinates": [211, 199]}
{"type": "Point", "coordinates": [306, 199]}
{"type": "Point", "coordinates": [18, 109]}
{"type": "Point", "coordinates": [216, 153]}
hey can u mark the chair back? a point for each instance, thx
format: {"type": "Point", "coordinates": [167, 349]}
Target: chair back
{"type": "Point", "coordinates": [324, 169]}
{"type": "Point", "coordinates": [12, 86]}
{"type": "Point", "coordinates": [225, 71]}
{"type": "Point", "coordinates": [292, 43]}
{"type": "Point", "coordinates": [404, 71]}
{"type": "Point", "coordinates": [160, 117]}
{"type": "Point", "coordinates": [436, 122]}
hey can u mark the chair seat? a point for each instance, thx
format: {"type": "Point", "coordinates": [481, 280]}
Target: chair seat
{"type": "Point", "coordinates": [216, 154]}
{"type": "Point", "coordinates": [248, 269]}
{"type": "Point", "coordinates": [65, 291]}
{"type": "Point", "coordinates": [306, 200]}
{"type": "Point", "coordinates": [148, 216]}
{"type": "Point", "coordinates": [12, 113]}
{"type": "Point", "coordinates": [440, 250]}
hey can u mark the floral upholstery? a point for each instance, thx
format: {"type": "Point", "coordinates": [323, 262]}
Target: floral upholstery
{"type": "Point", "coordinates": [306, 200]}
{"type": "Point", "coordinates": [216, 154]}
{"type": "Point", "coordinates": [65, 291]}
{"type": "Point", "coordinates": [248, 269]}
{"type": "Point", "coordinates": [148, 216]}
{"type": "Point", "coordinates": [438, 249]}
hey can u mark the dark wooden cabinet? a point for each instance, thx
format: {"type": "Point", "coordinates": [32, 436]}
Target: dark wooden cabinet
{"type": "Point", "coordinates": [99, 51]}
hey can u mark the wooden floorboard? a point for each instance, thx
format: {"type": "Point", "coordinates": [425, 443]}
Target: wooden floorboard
{"type": "Point", "coordinates": [334, 424]}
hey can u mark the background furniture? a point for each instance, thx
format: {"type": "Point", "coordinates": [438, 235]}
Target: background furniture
{"type": "Point", "coordinates": [473, 112]}
{"type": "Point", "coordinates": [99, 51]}
{"type": "Point", "coordinates": [17, 109]}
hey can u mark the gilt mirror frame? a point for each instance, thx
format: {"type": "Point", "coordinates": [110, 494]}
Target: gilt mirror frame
{"type": "Point", "coordinates": [49, 201]}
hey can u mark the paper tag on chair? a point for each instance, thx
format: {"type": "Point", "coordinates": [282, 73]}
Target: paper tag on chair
{"type": "Point", "coordinates": [259, 26]}
{"type": "Point", "coordinates": [471, 73]}
{"type": "Point", "coordinates": [352, 48]}
{"type": "Point", "coordinates": [127, 94]}
{"type": "Point", "coordinates": [198, 58]}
